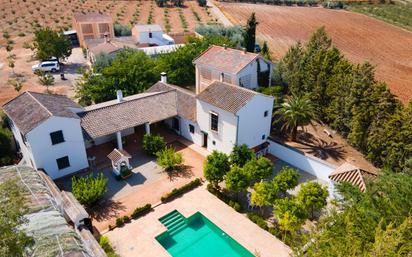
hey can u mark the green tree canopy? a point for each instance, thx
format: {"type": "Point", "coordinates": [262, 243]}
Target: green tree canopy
{"type": "Point", "coordinates": [216, 166]}
{"type": "Point", "coordinates": [370, 223]}
{"type": "Point", "coordinates": [49, 43]}
{"type": "Point", "coordinates": [258, 169]}
{"type": "Point", "coordinates": [265, 52]}
{"type": "Point", "coordinates": [264, 193]}
{"type": "Point", "coordinates": [169, 159]}
{"type": "Point", "coordinates": [312, 196]}
{"type": "Point", "coordinates": [297, 111]}
{"type": "Point", "coordinates": [88, 189]}
{"type": "Point", "coordinates": [6, 152]}
{"type": "Point", "coordinates": [347, 97]}
{"type": "Point", "coordinates": [287, 178]}
{"type": "Point", "coordinates": [289, 214]}
{"type": "Point", "coordinates": [130, 71]}
{"type": "Point", "coordinates": [240, 155]}
{"type": "Point", "coordinates": [13, 240]}
{"type": "Point", "coordinates": [237, 180]}
{"type": "Point", "coordinates": [153, 143]}
{"type": "Point", "coordinates": [249, 38]}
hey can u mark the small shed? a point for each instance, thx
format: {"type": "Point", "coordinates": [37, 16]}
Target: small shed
{"type": "Point", "coordinates": [120, 160]}
{"type": "Point", "coordinates": [352, 174]}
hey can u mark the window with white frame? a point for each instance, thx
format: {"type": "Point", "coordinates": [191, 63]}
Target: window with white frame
{"type": "Point", "coordinates": [214, 121]}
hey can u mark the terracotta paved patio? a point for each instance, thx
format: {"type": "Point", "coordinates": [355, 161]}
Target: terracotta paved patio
{"type": "Point", "coordinates": [150, 190]}
{"type": "Point", "coordinates": [138, 237]}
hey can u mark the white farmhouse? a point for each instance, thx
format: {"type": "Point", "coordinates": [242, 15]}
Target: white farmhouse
{"type": "Point", "coordinates": [53, 132]}
{"type": "Point", "coordinates": [232, 66]}
{"type": "Point", "coordinates": [48, 132]}
{"type": "Point", "coordinates": [151, 35]}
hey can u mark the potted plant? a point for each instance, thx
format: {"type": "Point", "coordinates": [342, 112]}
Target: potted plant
{"type": "Point", "coordinates": [125, 171]}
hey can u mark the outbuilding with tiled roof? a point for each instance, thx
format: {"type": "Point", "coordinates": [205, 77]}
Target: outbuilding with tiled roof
{"type": "Point", "coordinates": [349, 173]}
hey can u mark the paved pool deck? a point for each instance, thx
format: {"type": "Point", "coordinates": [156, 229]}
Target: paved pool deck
{"type": "Point", "coordinates": [138, 237]}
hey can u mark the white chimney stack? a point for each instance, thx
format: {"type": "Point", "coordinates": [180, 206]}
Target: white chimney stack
{"type": "Point", "coordinates": [163, 77]}
{"type": "Point", "coordinates": [119, 95]}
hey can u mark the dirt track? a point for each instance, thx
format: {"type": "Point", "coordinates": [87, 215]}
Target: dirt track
{"type": "Point", "coordinates": [357, 36]}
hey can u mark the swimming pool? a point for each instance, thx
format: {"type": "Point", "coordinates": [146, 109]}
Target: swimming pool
{"type": "Point", "coordinates": [196, 236]}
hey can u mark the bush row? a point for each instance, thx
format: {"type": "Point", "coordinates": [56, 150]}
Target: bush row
{"type": "Point", "coordinates": [141, 211]}
{"type": "Point", "coordinates": [261, 222]}
{"type": "Point", "coordinates": [229, 201]}
{"type": "Point", "coordinates": [179, 191]}
{"type": "Point", "coordinates": [138, 212]}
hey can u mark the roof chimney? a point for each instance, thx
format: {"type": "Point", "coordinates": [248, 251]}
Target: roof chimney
{"type": "Point", "coordinates": [163, 77]}
{"type": "Point", "coordinates": [225, 46]}
{"type": "Point", "coordinates": [244, 50]}
{"type": "Point", "coordinates": [106, 37]}
{"type": "Point", "coordinates": [119, 95]}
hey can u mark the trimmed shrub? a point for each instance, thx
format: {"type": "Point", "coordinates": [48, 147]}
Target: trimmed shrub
{"type": "Point", "coordinates": [107, 247]}
{"type": "Point", "coordinates": [153, 144]}
{"type": "Point", "coordinates": [141, 211]}
{"type": "Point", "coordinates": [126, 219]}
{"type": "Point", "coordinates": [261, 222]}
{"type": "Point", "coordinates": [169, 159]}
{"type": "Point", "coordinates": [235, 205]}
{"type": "Point", "coordinates": [88, 190]}
{"type": "Point", "coordinates": [223, 197]}
{"type": "Point", "coordinates": [119, 222]}
{"type": "Point", "coordinates": [179, 191]}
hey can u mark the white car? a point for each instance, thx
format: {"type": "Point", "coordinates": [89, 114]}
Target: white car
{"type": "Point", "coordinates": [52, 66]}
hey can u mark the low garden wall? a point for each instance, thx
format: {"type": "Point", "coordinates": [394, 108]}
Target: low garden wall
{"type": "Point", "coordinates": [310, 164]}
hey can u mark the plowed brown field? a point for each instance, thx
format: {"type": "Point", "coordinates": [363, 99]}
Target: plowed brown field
{"type": "Point", "coordinates": [359, 37]}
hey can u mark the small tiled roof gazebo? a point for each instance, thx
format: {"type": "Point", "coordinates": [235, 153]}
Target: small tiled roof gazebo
{"type": "Point", "coordinates": [120, 158]}
{"type": "Point", "coordinates": [352, 174]}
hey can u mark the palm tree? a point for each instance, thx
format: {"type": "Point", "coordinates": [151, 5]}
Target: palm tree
{"type": "Point", "coordinates": [297, 111]}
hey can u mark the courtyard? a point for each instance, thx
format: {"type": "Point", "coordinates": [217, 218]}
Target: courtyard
{"type": "Point", "coordinates": [148, 182]}
{"type": "Point", "coordinates": [138, 238]}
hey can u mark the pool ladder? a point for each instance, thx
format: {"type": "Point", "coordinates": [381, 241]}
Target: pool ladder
{"type": "Point", "coordinates": [174, 222]}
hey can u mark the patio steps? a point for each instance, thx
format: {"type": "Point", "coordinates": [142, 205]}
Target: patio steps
{"type": "Point", "coordinates": [174, 222]}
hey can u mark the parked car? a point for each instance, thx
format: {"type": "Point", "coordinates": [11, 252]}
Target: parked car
{"type": "Point", "coordinates": [52, 66]}
{"type": "Point", "coordinates": [257, 48]}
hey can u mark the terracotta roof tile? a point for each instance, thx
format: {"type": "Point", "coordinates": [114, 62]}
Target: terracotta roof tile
{"type": "Point", "coordinates": [228, 97]}
{"type": "Point", "coordinates": [110, 117]}
{"type": "Point", "coordinates": [351, 174]}
{"type": "Point", "coordinates": [186, 100]}
{"type": "Point", "coordinates": [117, 154]}
{"type": "Point", "coordinates": [30, 109]}
{"type": "Point", "coordinates": [92, 17]}
{"type": "Point", "coordinates": [226, 59]}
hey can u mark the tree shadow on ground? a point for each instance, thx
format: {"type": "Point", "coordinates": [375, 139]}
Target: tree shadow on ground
{"type": "Point", "coordinates": [319, 147]}
{"type": "Point", "coordinates": [106, 210]}
{"type": "Point", "coordinates": [182, 171]}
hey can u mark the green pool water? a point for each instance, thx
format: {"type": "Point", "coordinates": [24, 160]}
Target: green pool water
{"type": "Point", "coordinates": [196, 236]}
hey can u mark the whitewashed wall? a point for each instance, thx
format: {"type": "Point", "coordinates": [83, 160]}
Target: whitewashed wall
{"type": "Point", "coordinates": [251, 69]}
{"type": "Point", "coordinates": [45, 154]}
{"type": "Point", "coordinates": [24, 149]}
{"type": "Point", "coordinates": [252, 123]}
{"type": "Point", "coordinates": [195, 137]}
{"type": "Point", "coordinates": [225, 138]}
{"type": "Point", "coordinates": [312, 165]}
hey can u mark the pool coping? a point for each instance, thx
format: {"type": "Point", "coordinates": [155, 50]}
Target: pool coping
{"type": "Point", "coordinates": [235, 224]}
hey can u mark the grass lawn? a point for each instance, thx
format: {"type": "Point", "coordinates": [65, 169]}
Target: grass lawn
{"type": "Point", "coordinates": [399, 14]}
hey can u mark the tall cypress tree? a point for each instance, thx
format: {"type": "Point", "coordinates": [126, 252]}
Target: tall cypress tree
{"type": "Point", "coordinates": [249, 37]}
